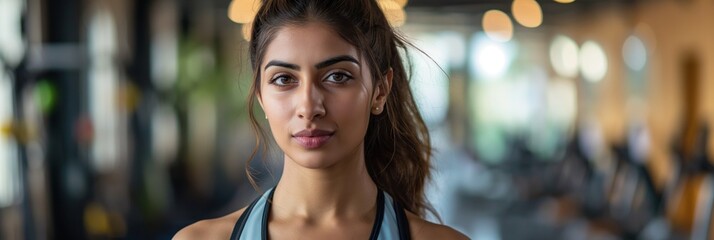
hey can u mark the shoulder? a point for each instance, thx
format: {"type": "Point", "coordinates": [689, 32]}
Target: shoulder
{"type": "Point", "coordinates": [217, 228]}
{"type": "Point", "coordinates": [422, 229]}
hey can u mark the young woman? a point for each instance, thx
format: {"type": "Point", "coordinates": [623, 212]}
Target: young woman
{"type": "Point", "coordinates": [330, 79]}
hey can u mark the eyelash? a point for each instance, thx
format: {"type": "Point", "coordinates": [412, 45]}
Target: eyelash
{"type": "Point", "coordinates": [345, 75]}
{"type": "Point", "coordinates": [275, 79]}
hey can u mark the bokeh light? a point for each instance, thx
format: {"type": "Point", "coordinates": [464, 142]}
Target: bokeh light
{"type": "Point", "coordinates": [101, 126]}
{"type": "Point", "coordinates": [492, 58]}
{"type": "Point", "coordinates": [634, 53]}
{"type": "Point", "coordinates": [243, 11]}
{"type": "Point", "coordinates": [564, 56]}
{"type": "Point", "coordinates": [46, 95]}
{"type": "Point", "coordinates": [400, 3]}
{"type": "Point", "coordinates": [8, 156]}
{"type": "Point", "coordinates": [247, 31]}
{"type": "Point", "coordinates": [593, 61]}
{"type": "Point", "coordinates": [12, 45]}
{"type": "Point", "coordinates": [101, 35]}
{"type": "Point", "coordinates": [165, 46]}
{"type": "Point", "coordinates": [394, 12]}
{"type": "Point", "coordinates": [497, 25]}
{"type": "Point", "coordinates": [527, 13]}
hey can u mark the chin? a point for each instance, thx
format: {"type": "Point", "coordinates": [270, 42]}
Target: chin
{"type": "Point", "coordinates": [312, 160]}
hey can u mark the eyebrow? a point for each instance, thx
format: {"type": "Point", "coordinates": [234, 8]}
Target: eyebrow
{"type": "Point", "coordinates": [335, 60]}
{"type": "Point", "coordinates": [323, 64]}
{"type": "Point", "coordinates": [281, 64]}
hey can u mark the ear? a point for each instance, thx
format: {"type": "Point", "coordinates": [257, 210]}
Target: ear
{"type": "Point", "coordinates": [381, 92]}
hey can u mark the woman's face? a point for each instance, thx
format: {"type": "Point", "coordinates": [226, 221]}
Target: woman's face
{"type": "Point", "coordinates": [317, 94]}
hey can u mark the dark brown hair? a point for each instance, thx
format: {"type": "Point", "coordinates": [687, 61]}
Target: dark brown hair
{"type": "Point", "coordinates": [397, 146]}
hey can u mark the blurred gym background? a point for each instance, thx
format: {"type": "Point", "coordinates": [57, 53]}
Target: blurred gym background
{"type": "Point", "coordinates": [585, 119]}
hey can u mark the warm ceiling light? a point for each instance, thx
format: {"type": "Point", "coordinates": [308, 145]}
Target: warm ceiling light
{"type": "Point", "coordinates": [394, 12]}
{"type": "Point", "coordinates": [527, 12]}
{"type": "Point", "coordinates": [243, 11]}
{"type": "Point", "coordinates": [401, 3]}
{"type": "Point", "coordinates": [565, 1]}
{"type": "Point", "coordinates": [247, 30]}
{"type": "Point", "coordinates": [497, 26]}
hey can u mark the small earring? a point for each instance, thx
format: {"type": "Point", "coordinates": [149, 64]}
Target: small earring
{"type": "Point", "coordinates": [266, 116]}
{"type": "Point", "coordinates": [376, 108]}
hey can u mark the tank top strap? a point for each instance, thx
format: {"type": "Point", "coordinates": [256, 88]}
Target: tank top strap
{"type": "Point", "coordinates": [402, 222]}
{"type": "Point", "coordinates": [390, 222]}
{"type": "Point", "coordinates": [395, 224]}
{"type": "Point", "coordinates": [252, 221]}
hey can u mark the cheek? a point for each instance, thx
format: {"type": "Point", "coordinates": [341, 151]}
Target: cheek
{"type": "Point", "coordinates": [278, 113]}
{"type": "Point", "coordinates": [350, 112]}
{"type": "Point", "coordinates": [274, 107]}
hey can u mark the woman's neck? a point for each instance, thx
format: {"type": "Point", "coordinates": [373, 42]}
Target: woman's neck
{"type": "Point", "coordinates": [344, 190]}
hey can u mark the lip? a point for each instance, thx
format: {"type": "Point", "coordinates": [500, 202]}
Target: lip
{"type": "Point", "coordinates": [312, 138]}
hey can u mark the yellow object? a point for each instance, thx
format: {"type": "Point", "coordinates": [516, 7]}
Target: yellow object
{"type": "Point", "coordinates": [6, 130]}
{"type": "Point", "coordinates": [394, 12]}
{"type": "Point", "coordinates": [243, 11]}
{"type": "Point", "coordinates": [96, 220]}
{"type": "Point", "coordinates": [247, 30]}
{"type": "Point", "coordinates": [527, 12]}
{"type": "Point", "coordinates": [401, 3]}
{"type": "Point", "coordinates": [498, 26]}
{"type": "Point", "coordinates": [20, 132]}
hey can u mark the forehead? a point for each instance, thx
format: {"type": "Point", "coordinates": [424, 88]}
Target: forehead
{"type": "Point", "coordinates": [307, 44]}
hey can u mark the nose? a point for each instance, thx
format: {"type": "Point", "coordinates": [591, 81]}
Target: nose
{"type": "Point", "coordinates": [310, 102]}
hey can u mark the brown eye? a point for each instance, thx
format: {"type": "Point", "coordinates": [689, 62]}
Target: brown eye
{"type": "Point", "coordinates": [282, 80]}
{"type": "Point", "coordinates": [338, 78]}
